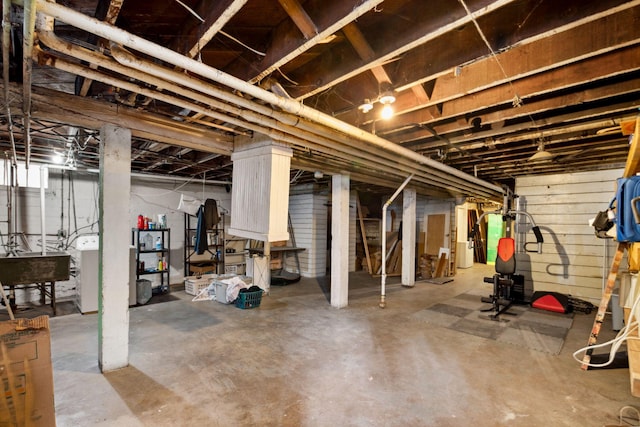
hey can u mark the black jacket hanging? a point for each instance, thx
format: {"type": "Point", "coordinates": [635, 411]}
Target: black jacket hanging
{"type": "Point", "coordinates": [201, 233]}
{"type": "Point", "coordinates": [211, 214]}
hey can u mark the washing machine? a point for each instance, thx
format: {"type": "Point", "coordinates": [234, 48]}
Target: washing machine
{"type": "Point", "coordinates": [87, 274]}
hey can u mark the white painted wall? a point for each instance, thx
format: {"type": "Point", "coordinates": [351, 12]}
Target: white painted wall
{"type": "Point", "coordinates": [573, 259]}
{"type": "Point", "coordinates": [76, 213]}
{"type": "Point", "coordinates": [432, 207]}
{"type": "Point", "coordinates": [309, 220]}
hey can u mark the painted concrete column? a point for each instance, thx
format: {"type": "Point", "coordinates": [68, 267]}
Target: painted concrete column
{"type": "Point", "coordinates": [408, 237]}
{"type": "Point", "coordinates": [115, 235]}
{"type": "Point", "coordinates": [340, 240]}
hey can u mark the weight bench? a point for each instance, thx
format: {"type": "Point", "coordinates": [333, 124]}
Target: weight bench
{"type": "Point", "coordinates": [502, 297]}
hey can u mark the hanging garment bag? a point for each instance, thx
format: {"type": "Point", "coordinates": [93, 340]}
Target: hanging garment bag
{"type": "Point", "coordinates": [627, 209]}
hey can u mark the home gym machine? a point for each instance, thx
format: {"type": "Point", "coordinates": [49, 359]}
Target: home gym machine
{"type": "Point", "coordinates": [508, 288]}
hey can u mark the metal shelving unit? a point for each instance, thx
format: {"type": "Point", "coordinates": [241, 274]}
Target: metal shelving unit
{"type": "Point", "coordinates": [154, 258]}
{"type": "Point", "coordinates": [212, 260]}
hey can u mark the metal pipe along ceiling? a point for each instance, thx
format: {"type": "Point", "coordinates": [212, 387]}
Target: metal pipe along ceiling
{"type": "Point", "coordinates": [273, 128]}
{"type": "Point", "coordinates": [451, 178]}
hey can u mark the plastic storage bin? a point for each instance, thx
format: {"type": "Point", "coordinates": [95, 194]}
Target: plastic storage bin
{"type": "Point", "coordinates": [143, 291]}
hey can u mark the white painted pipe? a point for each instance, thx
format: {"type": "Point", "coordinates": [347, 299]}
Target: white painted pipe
{"type": "Point", "coordinates": [120, 36]}
{"type": "Point", "coordinates": [290, 124]}
{"type": "Point", "coordinates": [383, 302]}
{"type": "Point", "coordinates": [275, 123]}
{"type": "Point", "coordinates": [43, 171]}
{"type": "Point", "coordinates": [271, 127]}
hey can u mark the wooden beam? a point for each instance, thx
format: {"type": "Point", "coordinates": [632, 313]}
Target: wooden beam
{"type": "Point", "coordinates": [300, 17]}
{"type": "Point", "coordinates": [363, 232]}
{"type": "Point", "coordinates": [110, 17]}
{"type": "Point", "coordinates": [496, 118]}
{"type": "Point", "coordinates": [580, 73]}
{"type": "Point", "coordinates": [404, 40]}
{"type": "Point", "coordinates": [216, 14]}
{"type": "Point", "coordinates": [364, 50]}
{"type": "Point", "coordinates": [631, 167]}
{"type": "Point", "coordinates": [88, 113]}
{"type": "Point", "coordinates": [330, 17]}
{"type": "Point", "coordinates": [542, 53]}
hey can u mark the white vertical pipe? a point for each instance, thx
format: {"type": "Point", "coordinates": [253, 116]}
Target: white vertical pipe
{"type": "Point", "coordinates": [383, 303]}
{"type": "Point", "coordinates": [43, 171]}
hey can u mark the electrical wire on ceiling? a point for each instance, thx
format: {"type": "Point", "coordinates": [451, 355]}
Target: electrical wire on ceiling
{"type": "Point", "coordinates": [193, 12]}
{"type": "Point", "coordinates": [201, 19]}
{"type": "Point", "coordinates": [451, 145]}
{"type": "Point", "coordinates": [517, 100]}
{"type": "Point", "coordinates": [297, 175]}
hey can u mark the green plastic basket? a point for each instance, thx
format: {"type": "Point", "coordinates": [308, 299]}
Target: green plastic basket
{"type": "Point", "coordinates": [247, 300]}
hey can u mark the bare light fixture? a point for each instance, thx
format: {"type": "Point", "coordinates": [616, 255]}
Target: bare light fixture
{"type": "Point", "coordinates": [366, 106]}
{"type": "Point", "coordinates": [58, 159]}
{"type": "Point", "coordinates": [541, 154]}
{"type": "Point", "coordinates": [386, 100]}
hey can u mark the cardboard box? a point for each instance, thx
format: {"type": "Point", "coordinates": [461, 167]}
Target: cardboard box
{"type": "Point", "coordinates": [27, 373]}
{"type": "Point", "coordinates": [202, 269]}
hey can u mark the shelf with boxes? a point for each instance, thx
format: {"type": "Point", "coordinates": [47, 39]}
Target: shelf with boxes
{"type": "Point", "coordinates": [152, 254]}
{"type": "Point", "coordinates": [235, 257]}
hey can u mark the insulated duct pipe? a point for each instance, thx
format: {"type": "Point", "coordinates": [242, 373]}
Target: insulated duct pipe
{"type": "Point", "coordinates": [6, 50]}
{"type": "Point", "coordinates": [270, 129]}
{"type": "Point", "coordinates": [285, 122]}
{"type": "Point", "coordinates": [274, 121]}
{"type": "Point", "coordinates": [148, 72]}
{"type": "Point", "coordinates": [383, 303]}
{"type": "Point", "coordinates": [271, 125]}
{"type": "Point", "coordinates": [117, 35]}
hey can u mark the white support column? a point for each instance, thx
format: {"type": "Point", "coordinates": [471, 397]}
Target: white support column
{"type": "Point", "coordinates": [408, 237]}
{"type": "Point", "coordinates": [340, 241]}
{"type": "Point", "coordinates": [115, 235]}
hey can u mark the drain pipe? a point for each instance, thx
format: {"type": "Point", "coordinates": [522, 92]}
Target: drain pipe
{"type": "Point", "coordinates": [383, 303]}
{"type": "Point", "coordinates": [118, 35]}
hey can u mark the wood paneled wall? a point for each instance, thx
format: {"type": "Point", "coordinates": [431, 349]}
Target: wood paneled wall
{"type": "Point", "coordinates": [573, 261]}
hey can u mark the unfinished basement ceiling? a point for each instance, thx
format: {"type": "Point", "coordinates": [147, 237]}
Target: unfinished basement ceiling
{"type": "Point", "coordinates": [480, 86]}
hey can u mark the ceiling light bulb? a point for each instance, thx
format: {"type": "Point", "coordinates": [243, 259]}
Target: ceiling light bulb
{"type": "Point", "coordinates": [57, 159]}
{"type": "Point", "coordinates": [366, 106]}
{"type": "Point", "coordinates": [387, 98]}
{"type": "Point", "coordinates": [387, 112]}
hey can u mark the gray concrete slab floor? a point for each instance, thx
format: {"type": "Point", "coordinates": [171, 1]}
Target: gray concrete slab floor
{"type": "Point", "coordinates": [296, 361]}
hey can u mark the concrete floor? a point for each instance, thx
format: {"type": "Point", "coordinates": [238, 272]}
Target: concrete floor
{"type": "Point", "coordinates": [296, 361]}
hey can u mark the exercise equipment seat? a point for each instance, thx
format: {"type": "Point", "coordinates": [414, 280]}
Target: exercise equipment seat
{"type": "Point", "coordinates": [501, 298]}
